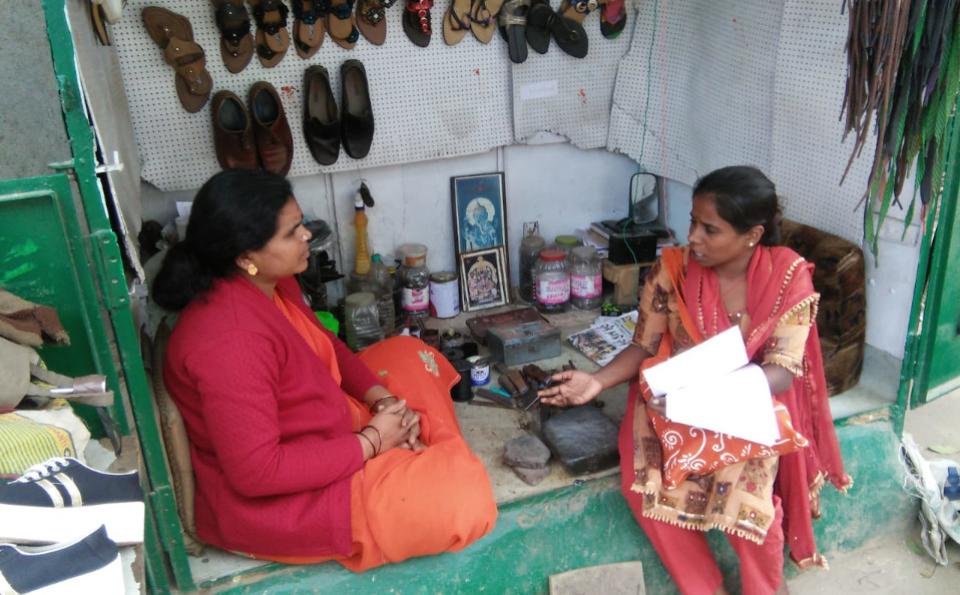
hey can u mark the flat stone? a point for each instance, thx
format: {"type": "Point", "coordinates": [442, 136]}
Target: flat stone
{"type": "Point", "coordinates": [526, 451]}
{"type": "Point", "coordinates": [583, 439]}
{"type": "Point", "coordinates": [621, 578]}
{"type": "Point", "coordinates": [531, 476]}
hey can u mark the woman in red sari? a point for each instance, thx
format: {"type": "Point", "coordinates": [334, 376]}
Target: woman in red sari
{"type": "Point", "coordinates": [681, 481]}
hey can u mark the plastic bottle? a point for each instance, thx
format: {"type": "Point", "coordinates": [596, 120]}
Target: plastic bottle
{"type": "Point", "coordinates": [361, 264]}
{"type": "Point", "coordinates": [951, 488]}
{"type": "Point", "coordinates": [380, 277]}
{"type": "Point", "coordinates": [586, 282]}
{"type": "Point", "coordinates": [362, 320]}
{"type": "Point", "coordinates": [414, 281]}
{"type": "Point", "coordinates": [530, 247]}
{"type": "Point", "coordinates": [553, 281]}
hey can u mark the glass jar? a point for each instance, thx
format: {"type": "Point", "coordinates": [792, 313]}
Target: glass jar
{"type": "Point", "coordinates": [530, 247]}
{"type": "Point", "coordinates": [362, 319]}
{"type": "Point", "coordinates": [586, 282]}
{"type": "Point", "coordinates": [552, 281]}
{"type": "Point", "coordinates": [414, 281]}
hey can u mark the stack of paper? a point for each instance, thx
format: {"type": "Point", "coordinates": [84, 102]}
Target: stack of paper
{"type": "Point", "coordinates": [714, 386]}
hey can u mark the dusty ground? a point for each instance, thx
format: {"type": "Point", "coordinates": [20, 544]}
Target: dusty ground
{"type": "Point", "coordinates": [898, 563]}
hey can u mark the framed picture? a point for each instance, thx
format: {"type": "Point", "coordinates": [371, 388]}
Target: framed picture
{"type": "Point", "coordinates": [479, 212]}
{"type": "Point", "coordinates": [483, 279]}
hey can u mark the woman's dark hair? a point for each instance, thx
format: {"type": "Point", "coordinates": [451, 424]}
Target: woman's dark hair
{"type": "Point", "coordinates": [744, 197]}
{"type": "Point", "coordinates": [234, 212]}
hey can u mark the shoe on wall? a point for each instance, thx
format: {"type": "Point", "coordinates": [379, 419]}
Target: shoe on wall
{"type": "Point", "coordinates": [270, 128]}
{"type": "Point", "coordinates": [90, 564]}
{"type": "Point", "coordinates": [62, 498]}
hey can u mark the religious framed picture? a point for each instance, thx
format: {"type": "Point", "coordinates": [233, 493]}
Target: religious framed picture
{"type": "Point", "coordinates": [483, 279]}
{"type": "Point", "coordinates": [479, 212]}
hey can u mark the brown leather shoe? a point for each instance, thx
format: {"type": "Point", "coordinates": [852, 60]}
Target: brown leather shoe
{"type": "Point", "coordinates": [270, 128]}
{"type": "Point", "coordinates": [232, 132]}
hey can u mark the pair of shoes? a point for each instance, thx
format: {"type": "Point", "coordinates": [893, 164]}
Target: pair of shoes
{"type": "Point", "coordinates": [173, 33]}
{"type": "Point", "coordinates": [90, 564]}
{"type": "Point", "coordinates": [272, 39]}
{"type": "Point", "coordinates": [542, 22]}
{"type": "Point", "coordinates": [476, 16]}
{"type": "Point", "coordinates": [324, 126]}
{"type": "Point", "coordinates": [371, 19]}
{"type": "Point", "coordinates": [236, 41]}
{"type": "Point", "coordinates": [62, 498]}
{"type": "Point", "coordinates": [258, 137]}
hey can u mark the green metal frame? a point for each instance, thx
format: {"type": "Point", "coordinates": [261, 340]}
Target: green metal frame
{"type": "Point", "coordinates": [931, 276]}
{"type": "Point", "coordinates": [163, 528]}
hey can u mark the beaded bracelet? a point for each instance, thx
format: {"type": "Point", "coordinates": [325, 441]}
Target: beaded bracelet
{"type": "Point", "coordinates": [379, 438]}
{"type": "Point", "coordinates": [374, 409]}
{"type": "Point", "coordinates": [369, 441]}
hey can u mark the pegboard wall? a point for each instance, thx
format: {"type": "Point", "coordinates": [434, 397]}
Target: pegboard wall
{"type": "Point", "coordinates": [428, 103]}
{"type": "Point", "coordinates": [707, 84]}
{"type": "Point", "coordinates": [558, 93]}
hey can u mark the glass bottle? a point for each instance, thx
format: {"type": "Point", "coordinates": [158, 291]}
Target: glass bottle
{"type": "Point", "coordinates": [530, 247]}
{"type": "Point", "coordinates": [586, 282]}
{"type": "Point", "coordinates": [552, 281]}
{"type": "Point", "coordinates": [414, 281]}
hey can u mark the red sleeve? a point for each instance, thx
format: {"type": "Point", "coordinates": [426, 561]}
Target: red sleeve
{"type": "Point", "coordinates": [357, 378]}
{"type": "Point", "coordinates": [237, 380]}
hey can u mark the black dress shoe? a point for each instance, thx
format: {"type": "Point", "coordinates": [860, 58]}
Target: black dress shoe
{"type": "Point", "coordinates": [321, 119]}
{"type": "Point", "coordinates": [356, 124]}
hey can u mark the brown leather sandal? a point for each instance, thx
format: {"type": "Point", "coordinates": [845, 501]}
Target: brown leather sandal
{"type": "Point", "coordinates": [483, 14]}
{"type": "Point", "coordinates": [309, 26]}
{"type": "Point", "coordinates": [236, 42]}
{"type": "Point", "coordinates": [342, 24]}
{"type": "Point", "coordinates": [173, 33]}
{"type": "Point", "coordinates": [416, 21]}
{"type": "Point", "coordinates": [272, 39]}
{"type": "Point", "coordinates": [371, 19]}
{"type": "Point", "coordinates": [456, 21]}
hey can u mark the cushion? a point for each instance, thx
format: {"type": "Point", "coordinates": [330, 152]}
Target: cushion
{"type": "Point", "coordinates": [839, 276]}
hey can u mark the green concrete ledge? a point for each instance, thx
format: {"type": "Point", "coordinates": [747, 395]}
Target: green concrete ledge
{"type": "Point", "coordinates": [590, 524]}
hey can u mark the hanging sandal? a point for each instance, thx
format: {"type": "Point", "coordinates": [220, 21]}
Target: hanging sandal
{"type": "Point", "coordinates": [456, 21]}
{"type": "Point", "coordinates": [513, 28]}
{"type": "Point", "coordinates": [538, 37]}
{"type": "Point", "coordinates": [272, 37]}
{"type": "Point", "coordinates": [371, 19]}
{"type": "Point", "coordinates": [568, 33]}
{"type": "Point", "coordinates": [173, 33]}
{"type": "Point", "coordinates": [236, 42]}
{"type": "Point", "coordinates": [309, 26]}
{"type": "Point", "coordinates": [341, 23]}
{"type": "Point", "coordinates": [483, 14]}
{"type": "Point", "coordinates": [577, 10]}
{"type": "Point", "coordinates": [613, 18]}
{"type": "Point", "coordinates": [416, 21]}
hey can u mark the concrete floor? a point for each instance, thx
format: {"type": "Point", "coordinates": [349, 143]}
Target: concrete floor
{"type": "Point", "coordinates": [897, 563]}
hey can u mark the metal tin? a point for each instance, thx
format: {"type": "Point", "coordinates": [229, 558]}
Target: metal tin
{"type": "Point", "coordinates": [444, 295]}
{"type": "Point", "coordinates": [479, 371]}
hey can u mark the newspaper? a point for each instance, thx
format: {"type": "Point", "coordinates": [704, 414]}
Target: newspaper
{"type": "Point", "coordinates": [606, 337]}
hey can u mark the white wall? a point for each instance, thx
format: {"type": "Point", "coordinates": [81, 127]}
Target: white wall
{"type": "Point", "coordinates": [563, 188]}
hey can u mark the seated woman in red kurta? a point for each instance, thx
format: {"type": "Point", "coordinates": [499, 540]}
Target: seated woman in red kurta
{"type": "Point", "coordinates": [303, 451]}
{"type": "Point", "coordinates": [680, 481]}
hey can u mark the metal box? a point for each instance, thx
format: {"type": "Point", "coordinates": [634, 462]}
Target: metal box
{"type": "Point", "coordinates": [525, 342]}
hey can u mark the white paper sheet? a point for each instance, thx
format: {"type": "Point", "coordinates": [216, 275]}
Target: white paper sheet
{"type": "Point", "coordinates": [738, 403]}
{"type": "Point", "coordinates": [720, 354]}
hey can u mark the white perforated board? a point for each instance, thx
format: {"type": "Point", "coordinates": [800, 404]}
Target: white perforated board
{"type": "Point", "coordinates": [428, 103]}
{"type": "Point", "coordinates": [808, 157]}
{"type": "Point", "coordinates": [569, 96]}
{"type": "Point", "coordinates": [711, 70]}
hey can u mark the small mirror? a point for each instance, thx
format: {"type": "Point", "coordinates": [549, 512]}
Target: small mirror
{"type": "Point", "coordinates": [644, 199]}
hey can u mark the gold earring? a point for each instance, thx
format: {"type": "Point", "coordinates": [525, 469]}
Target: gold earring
{"type": "Point", "coordinates": [252, 270]}
{"type": "Point", "coordinates": [751, 244]}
